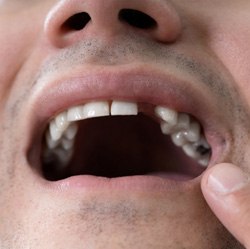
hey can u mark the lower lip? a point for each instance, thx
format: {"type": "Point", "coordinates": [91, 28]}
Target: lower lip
{"type": "Point", "coordinates": [154, 182]}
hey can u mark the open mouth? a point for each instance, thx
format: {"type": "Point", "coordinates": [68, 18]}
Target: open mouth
{"type": "Point", "coordinates": [114, 138]}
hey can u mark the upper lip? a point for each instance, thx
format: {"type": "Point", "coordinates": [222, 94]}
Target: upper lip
{"type": "Point", "coordinates": [130, 83]}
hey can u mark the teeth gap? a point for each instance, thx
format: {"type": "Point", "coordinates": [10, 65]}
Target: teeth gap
{"type": "Point", "coordinates": [184, 130]}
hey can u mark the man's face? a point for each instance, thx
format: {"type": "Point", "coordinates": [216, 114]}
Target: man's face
{"type": "Point", "coordinates": [122, 185]}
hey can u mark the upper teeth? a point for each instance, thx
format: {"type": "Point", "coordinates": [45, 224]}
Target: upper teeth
{"type": "Point", "coordinates": [123, 108]}
{"type": "Point", "coordinates": [185, 132]}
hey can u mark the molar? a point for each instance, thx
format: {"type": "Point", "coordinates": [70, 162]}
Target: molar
{"type": "Point", "coordinates": [185, 133]}
{"type": "Point", "coordinates": [204, 160]}
{"type": "Point", "coordinates": [193, 133]}
{"type": "Point", "coordinates": [190, 150]}
{"type": "Point", "coordinates": [64, 158]}
{"type": "Point", "coordinates": [183, 122]}
{"type": "Point", "coordinates": [179, 138]}
{"type": "Point", "coordinates": [55, 131]}
{"type": "Point", "coordinates": [51, 143]}
{"type": "Point", "coordinates": [67, 144]}
{"type": "Point", "coordinates": [71, 131]}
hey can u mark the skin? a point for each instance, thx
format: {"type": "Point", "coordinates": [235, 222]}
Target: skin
{"type": "Point", "coordinates": [211, 36]}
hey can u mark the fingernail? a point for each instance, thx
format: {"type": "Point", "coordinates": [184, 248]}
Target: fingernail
{"type": "Point", "coordinates": [226, 178]}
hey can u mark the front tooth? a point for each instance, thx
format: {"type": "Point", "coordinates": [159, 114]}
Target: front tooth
{"type": "Point", "coordinates": [179, 138]}
{"type": "Point", "coordinates": [193, 133]}
{"type": "Point", "coordinates": [75, 113]}
{"type": "Point", "coordinates": [55, 131]}
{"type": "Point", "coordinates": [96, 109]}
{"type": "Point", "coordinates": [124, 108]}
{"type": "Point", "coordinates": [168, 115]}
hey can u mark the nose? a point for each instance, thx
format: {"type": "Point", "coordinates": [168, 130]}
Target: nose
{"type": "Point", "coordinates": [69, 21]}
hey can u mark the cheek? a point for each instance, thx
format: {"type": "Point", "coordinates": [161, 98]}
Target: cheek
{"type": "Point", "coordinates": [20, 30]}
{"type": "Point", "coordinates": [11, 54]}
{"type": "Point", "coordinates": [231, 44]}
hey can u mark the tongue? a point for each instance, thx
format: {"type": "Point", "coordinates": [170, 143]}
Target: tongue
{"type": "Point", "coordinates": [123, 146]}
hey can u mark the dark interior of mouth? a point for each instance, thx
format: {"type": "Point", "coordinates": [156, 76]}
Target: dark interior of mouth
{"type": "Point", "coordinates": [120, 146]}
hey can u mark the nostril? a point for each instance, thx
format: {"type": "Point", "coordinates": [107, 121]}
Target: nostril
{"type": "Point", "coordinates": [77, 21]}
{"type": "Point", "coordinates": [137, 19]}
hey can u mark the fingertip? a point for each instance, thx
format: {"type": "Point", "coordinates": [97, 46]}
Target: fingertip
{"type": "Point", "coordinates": [223, 179]}
{"type": "Point", "coordinates": [225, 187]}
